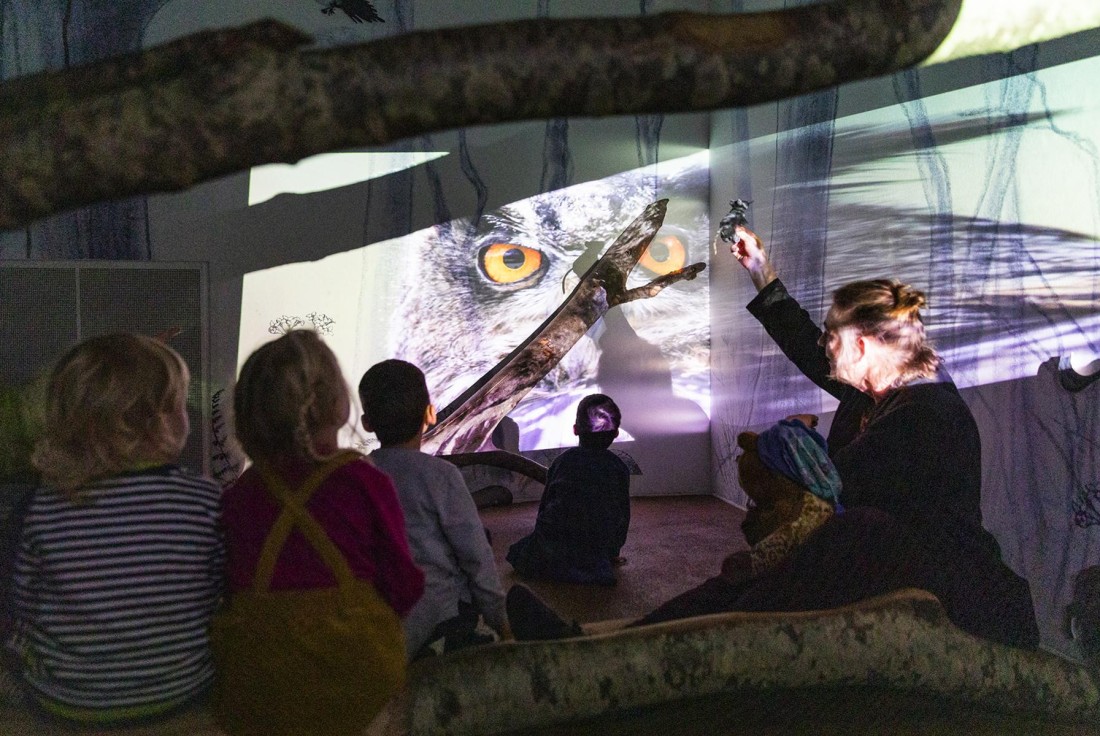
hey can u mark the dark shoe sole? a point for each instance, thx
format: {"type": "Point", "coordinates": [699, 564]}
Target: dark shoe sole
{"type": "Point", "coordinates": [533, 620]}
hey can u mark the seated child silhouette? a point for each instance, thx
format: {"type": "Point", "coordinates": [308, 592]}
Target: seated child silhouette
{"type": "Point", "coordinates": [445, 532]}
{"type": "Point", "coordinates": [794, 489]}
{"type": "Point", "coordinates": [319, 569]}
{"type": "Point", "coordinates": [585, 510]}
{"type": "Point", "coordinates": [119, 564]}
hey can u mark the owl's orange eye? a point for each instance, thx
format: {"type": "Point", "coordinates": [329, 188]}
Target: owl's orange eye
{"type": "Point", "coordinates": [507, 263]}
{"type": "Point", "coordinates": [664, 255]}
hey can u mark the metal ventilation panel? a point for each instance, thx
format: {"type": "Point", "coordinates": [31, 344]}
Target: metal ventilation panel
{"type": "Point", "coordinates": [46, 307]}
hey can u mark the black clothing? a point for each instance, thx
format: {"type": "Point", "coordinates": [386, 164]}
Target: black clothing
{"type": "Point", "coordinates": [582, 522]}
{"type": "Point", "coordinates": [458, 632]}
{"type": "Point", "coordinates": [916, 454]}
{"type": "Point", "coordinates": [533, 620]}
{"type": "Point", "coordinates": [865, 552]}
{"type": "Point", "coordinates": [911, 469]}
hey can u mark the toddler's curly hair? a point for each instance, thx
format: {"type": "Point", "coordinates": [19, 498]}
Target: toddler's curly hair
{"type": "Point", "coordinates": [113, 403]}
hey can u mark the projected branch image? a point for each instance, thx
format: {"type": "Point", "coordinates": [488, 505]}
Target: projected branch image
{"type": "Point", "coordinates": [457, 298]}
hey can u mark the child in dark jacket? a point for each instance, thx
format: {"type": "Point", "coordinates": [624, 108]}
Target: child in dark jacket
{"type": "Point", "coordinates": [585, 510]}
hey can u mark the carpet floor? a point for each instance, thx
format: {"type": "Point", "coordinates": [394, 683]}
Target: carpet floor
{"type": "Point", "coordinates": [674, 543]}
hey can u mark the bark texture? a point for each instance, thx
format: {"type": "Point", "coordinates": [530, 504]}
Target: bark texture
{"type": "Point", "coordinates": [220, 102]}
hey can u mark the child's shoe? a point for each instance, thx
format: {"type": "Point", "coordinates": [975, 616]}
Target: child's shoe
{"type": "Point", "coordinates": [533, 620]}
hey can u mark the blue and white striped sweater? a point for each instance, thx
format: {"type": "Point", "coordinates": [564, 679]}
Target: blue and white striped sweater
{"type": "Point", "coordinates": [112, 596]}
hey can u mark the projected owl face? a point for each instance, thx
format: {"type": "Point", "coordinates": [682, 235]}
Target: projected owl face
{"type": "Point", "coordinates": [477, 291]}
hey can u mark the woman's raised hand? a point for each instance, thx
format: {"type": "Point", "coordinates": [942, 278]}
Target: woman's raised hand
{"type": "Point", "coordinates": [748, 249]}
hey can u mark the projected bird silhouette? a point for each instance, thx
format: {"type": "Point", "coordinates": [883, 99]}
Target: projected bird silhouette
{"type": "Point", "coordinates": [358, 10]}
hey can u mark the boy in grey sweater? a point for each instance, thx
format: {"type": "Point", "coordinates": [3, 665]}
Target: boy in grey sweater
{"type": "Point", "coordinates": [445, 533]}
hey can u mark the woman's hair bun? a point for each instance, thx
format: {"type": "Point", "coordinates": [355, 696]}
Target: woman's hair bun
{"type": "Point", "coordinates": [907, 301]}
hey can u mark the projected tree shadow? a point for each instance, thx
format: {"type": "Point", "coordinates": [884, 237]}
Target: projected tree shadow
{"type": "Point", "coordinates": [1003, 297]}
{"type": "Point", "coordinates": [469, 420]}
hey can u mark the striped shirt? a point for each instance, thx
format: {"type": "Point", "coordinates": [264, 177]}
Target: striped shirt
{"type": "Point", "coordinates": [112, 596]}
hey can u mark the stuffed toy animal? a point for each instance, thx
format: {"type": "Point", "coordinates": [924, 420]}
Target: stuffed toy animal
{"type": "Point", "coordinates": [784, 511]}
{"type": "Point", "coordinates": [1083, 617]}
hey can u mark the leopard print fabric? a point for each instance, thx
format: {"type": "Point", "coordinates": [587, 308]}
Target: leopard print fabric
{"type": "Point", "coordinates": [777, 546]}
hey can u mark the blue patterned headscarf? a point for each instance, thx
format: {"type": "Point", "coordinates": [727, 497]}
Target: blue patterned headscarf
{"type": "Point", "coordinates": [800, 453]}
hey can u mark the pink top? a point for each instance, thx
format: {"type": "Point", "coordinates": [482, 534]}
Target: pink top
{"type": "Point", "coordinates": [356, 505]}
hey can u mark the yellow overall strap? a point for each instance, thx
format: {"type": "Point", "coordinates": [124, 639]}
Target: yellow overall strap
{"type": "Point", "coordinates": [294, 514]}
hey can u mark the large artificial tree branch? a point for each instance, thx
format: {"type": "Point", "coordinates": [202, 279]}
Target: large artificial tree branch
{"type": "Point", "coordinates": [997, 26]}
{"type": "Point", "coordinates": [39, 92]}
{"type": "Point", "coordinates": [501, 459]}
{"type": "Point", "coordinates": [190, 122]}
{"type": "Point", "coordinates": [217, 103]}
{"type": "Point", "coordinates": [469, 420]}
{"type": "Point", "coordinates": [659, 284]}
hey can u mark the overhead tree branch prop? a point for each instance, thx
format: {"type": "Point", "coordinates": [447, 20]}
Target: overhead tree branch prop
{"type": "Point", "coordinates": [469, 420]}
{"type": "Point", "coordinates": [220, 102]}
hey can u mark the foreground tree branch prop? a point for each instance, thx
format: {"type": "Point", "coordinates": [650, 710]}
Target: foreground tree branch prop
{"type": "Point", "coordinates": [469, 420]}
{"type": "Point", "coordinates": [220, 102]}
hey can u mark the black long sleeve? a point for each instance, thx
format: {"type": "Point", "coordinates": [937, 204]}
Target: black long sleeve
{"type": "Point", "coordinates": [916, 454]}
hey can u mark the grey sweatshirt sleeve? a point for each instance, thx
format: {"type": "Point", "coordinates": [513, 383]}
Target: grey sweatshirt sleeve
{"type": "Point", "coordinates": [466, 536]}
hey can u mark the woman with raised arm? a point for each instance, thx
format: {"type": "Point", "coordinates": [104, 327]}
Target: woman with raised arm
{"type": "Point", "coordinates": [903, 441]}
{"type": "Point", "coordinates": [907, 452]}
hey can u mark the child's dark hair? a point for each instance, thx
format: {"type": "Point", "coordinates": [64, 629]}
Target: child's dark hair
{"type": "Point", "coordinates": [598, 419]}
{"type": "Point", "coordinates": [395, 397]}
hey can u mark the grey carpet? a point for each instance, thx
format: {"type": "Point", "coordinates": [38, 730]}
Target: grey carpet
{"type": "Point", "coordinates": [674, 543]}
